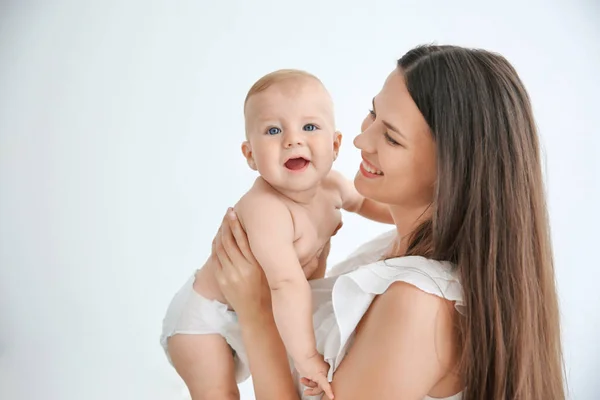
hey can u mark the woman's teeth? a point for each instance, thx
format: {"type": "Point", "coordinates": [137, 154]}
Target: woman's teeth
{"type": "Point", "coordinates": [370, 169]}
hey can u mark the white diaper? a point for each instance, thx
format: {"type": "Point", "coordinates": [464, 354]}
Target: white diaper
{"type": "Point", "coordinates": [191, 314]}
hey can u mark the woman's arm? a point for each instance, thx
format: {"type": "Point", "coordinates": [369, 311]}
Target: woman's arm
{"type": "Point", "coordinates": [353, 201]}
{"type": "Point", "coordinates": [244, 285]}
{"type": "Point", "coordinates": [267, 358]}
{"type": "Point", "coordinates": [404, 345]}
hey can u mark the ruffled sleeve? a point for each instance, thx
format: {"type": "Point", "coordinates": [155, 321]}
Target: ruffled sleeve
{"type": "Point", "coordinates": [340, 302]}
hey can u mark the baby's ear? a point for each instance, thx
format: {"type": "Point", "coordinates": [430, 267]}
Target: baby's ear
{"type": "Point", "coordinates": [337, 142]}
{"type": "Point", "coordinates": [247, 152]}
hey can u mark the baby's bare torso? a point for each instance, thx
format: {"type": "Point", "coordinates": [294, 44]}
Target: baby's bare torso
{"type": "Point", "coordinates": [314, 224]}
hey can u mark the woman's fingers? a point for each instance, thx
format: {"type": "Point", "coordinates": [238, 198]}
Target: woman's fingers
{"type": "Point", "coordinates": [214, 242]}
{"type": "Point", "coordinates": [240, 236]}
{"type": "Point", "coordinates": [308, 382]}
{"type": "Point", "coordinates": [319, 386]}
{"type": "Point", "coordinates": [226, 268]}
{"type": "Point", "coordinates": [324, 385]}
{"type": "Point", "coordinates": [313, 391]}
{"type": "Point", "coordinates": [230, 246]}
{"type": "Point", "coordinates": [217, 241]}
{"type": "Point", "coordinates": [240, 258]}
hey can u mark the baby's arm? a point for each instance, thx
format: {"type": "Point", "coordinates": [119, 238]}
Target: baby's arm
{"type": "Point", "coordinates": [353, 201]}
{"type": "Point", "coordinates": [270, 229]}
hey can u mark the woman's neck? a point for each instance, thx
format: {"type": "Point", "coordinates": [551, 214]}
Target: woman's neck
{"type": "Point", "coordinates": [406, 221]}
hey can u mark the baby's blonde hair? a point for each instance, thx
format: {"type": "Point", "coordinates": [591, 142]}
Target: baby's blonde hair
{"type": "Point", "coordinates": [276, 77]}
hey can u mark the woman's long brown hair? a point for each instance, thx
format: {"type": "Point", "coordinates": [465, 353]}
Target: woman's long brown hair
{"type": "Point", "coordinates": [490, 219]}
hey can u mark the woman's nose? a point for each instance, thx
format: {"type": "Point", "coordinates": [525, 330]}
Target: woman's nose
{"type": "Point", "coordinates": [363, 142]}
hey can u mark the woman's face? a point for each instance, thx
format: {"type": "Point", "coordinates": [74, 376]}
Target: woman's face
{"type": "Point", "coordinates": [398, 151]}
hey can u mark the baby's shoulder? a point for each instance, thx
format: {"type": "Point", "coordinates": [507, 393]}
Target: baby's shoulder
{"type": "Point", "coordinates": [334, 187]}
{"type": "Point", "coordinates": [334, 180]}
{"type": "Point", "coordinates": [261, 199]}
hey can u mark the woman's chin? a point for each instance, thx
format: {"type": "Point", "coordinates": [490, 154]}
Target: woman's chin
{"type": "Point", "coordinates": [365, 187]}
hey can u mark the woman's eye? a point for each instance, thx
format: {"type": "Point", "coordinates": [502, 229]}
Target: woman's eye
{"type": "Point", "coordinates": [310, 127]}
{"type": "Point", "coordinates": [390, 140]}
{"type": "Point", "coordinates": [273, 131]}
{"type": "Point", "coordinates": [372, 113]}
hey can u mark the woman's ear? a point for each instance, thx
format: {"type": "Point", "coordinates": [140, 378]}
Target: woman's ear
{"type": "Point", "coordinates": [247, 152]}
{"type": "Point", "coordinates": [337, 142]}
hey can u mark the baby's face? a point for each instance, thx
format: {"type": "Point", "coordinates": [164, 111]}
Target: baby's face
{"type": "Point", "coordinates": [291, 134]}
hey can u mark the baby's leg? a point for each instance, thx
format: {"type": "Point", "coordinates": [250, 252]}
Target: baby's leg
{"type": "Point", "coordinates": [205, 363]}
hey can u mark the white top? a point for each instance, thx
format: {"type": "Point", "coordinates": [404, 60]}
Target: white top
{"type": "Point", "coordinates": [344, 295]}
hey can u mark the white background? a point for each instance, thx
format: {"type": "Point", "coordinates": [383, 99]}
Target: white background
{"type": "Point", "coordinates": [120, 128]}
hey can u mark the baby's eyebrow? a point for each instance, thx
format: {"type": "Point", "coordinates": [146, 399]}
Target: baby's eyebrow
{"type": "Point", "coordinates": [313, 117]}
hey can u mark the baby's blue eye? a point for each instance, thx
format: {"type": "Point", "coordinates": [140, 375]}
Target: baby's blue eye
{"type": "Point", "coordinates": [273, 131]}
{"type": "Point", "coordinates": [310, 127]}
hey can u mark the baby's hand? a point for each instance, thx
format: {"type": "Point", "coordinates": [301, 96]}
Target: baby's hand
{"type": "Point", "coordinates": [314, 372]}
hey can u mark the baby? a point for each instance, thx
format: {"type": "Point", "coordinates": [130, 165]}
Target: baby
{"type": "Point", "coordinates": [289, 215]}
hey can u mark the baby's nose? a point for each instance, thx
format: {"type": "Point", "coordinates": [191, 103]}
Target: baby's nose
{"type": "Point", "coordinates": [293, 139]}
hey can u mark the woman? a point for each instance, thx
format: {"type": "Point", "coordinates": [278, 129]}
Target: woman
{"type": "Point", "coordinates": [460, 301]}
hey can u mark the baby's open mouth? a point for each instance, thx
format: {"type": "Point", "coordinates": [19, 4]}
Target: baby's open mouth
{"type": "Point", "coordinates": [296, 164]}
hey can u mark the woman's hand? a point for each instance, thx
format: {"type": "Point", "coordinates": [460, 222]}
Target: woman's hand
{"type": "Point", "coordinates": [245, 287]}
{"type": "Point", "coordinates": [239, 275]}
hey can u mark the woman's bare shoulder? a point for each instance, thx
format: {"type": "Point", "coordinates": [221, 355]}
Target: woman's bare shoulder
{"type": "Point", "coordinates": [404, 345]}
